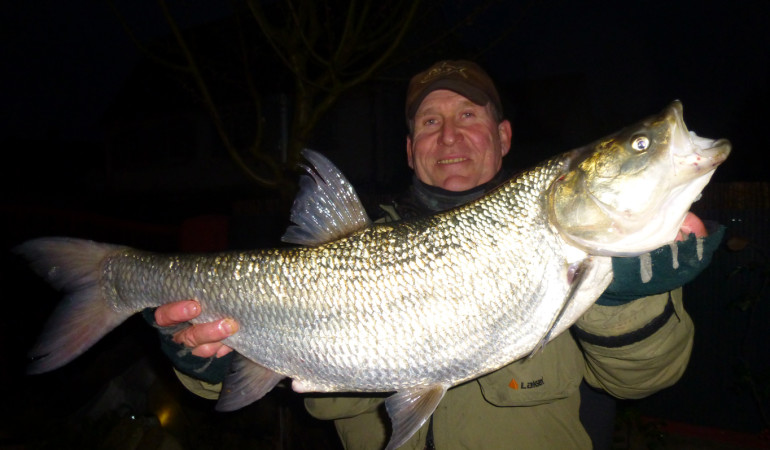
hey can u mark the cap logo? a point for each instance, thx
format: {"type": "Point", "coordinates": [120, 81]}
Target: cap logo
{"type": "Point", "coordinates": [442, 71]}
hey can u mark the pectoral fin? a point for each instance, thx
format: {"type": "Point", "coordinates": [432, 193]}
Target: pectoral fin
{"type": "Point", "coordinates": [247, 382]}
{"type": "Point", "coordinates": [576, 275]}
{"type": "Point", "coordinates": [409, 409]}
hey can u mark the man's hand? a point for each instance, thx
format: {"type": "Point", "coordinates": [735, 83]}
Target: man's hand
{"type": "Point", "coordinates": [203, 338]}
{"type": "Point", "coordinates": [691, 224]}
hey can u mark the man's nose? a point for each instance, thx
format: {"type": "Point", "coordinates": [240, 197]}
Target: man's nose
{"type": "Point", "coordinates": [449, 133]}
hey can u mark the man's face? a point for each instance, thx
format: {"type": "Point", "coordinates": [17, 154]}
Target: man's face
{"type": "Point", "coordinates": [457, 144]}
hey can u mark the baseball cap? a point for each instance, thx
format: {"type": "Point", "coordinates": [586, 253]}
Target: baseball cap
{"type": "Point", "coordinates": [464, 77]}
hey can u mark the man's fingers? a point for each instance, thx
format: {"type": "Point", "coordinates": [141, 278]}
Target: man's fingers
{"type": "Point", "coordinates": [223, 350]}
{"type": "Point", "coordinates": [203, 338]}
{"type": "Point", "coordinates": [206, 333]}
{"type": "Point", "coordinates": [692, 224]}
{"type": "Point", "coordinates": [208, 350]}
{"type": "Point", "coordinates": [177, 312]}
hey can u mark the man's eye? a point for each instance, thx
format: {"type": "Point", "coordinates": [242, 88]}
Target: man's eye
{"type": "Point", "coordinates": [468, 114]}
{"type": "Point", "coordinates": [429, 122]}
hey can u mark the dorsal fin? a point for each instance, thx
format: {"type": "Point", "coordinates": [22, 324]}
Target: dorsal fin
{"type": "Point", "coordinates": [326, 207]}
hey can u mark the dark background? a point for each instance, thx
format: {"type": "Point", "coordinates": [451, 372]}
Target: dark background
{"type": "Point", "coordinates": [98, 143]}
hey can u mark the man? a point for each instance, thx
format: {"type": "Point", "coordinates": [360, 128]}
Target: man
{"type": "Point", "coordinates": [635, 341]}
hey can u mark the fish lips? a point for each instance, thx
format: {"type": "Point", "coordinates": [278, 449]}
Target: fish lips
{"type": "Point", "coordinates": [697, 153]}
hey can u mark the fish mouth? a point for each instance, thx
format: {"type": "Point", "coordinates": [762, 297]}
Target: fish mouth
{"type": "Point", "coordinates": [700, 153]}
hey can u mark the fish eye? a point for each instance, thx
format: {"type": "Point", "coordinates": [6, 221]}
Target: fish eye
{"type": "Point", "coordinates": [640, 143]}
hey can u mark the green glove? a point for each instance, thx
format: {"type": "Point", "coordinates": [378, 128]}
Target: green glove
{"type": "Point", "coordinates": [660, 270]}
{"type": "Point", "coordinates": [211, 370]}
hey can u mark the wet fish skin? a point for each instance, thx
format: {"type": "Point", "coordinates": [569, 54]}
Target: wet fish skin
{"type": "Point", "coordinates": [621, 195]}
{"type": "Point", "coordinates": [387, 308]}
{"type": "Point", "coordinates": [414, 307]}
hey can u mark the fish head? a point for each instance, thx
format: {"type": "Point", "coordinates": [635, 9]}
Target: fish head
{"type": "Point", "coordinates": [629, 193]}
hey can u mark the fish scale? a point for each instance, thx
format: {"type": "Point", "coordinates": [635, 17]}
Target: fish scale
{"type": "Point", "coordinates": [429, 319]}
{"type": "Point", "coordinates": [413, 307]}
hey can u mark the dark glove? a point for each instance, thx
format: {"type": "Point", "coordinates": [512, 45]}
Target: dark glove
{"type": "Point", "coordinates": [211, 370]}
{"type": "Point", "coordinates": [661, 270]}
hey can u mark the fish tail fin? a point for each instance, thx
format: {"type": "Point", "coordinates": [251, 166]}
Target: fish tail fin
{"type": "Point", "coordinates": [83, 316]}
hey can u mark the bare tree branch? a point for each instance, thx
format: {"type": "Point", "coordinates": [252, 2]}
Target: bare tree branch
{"type": "Point", "coordinates": [327, 46]}
{"type": "Point", "coordinates": [213, 110]}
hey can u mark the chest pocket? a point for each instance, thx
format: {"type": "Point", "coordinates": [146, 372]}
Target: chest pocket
{"type": "Point", "coordinates": [552, 374]}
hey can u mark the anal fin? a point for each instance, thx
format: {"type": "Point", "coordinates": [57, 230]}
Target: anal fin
{"type": "Point", "coordinates": [246, 383]}
{"type": "Point", "coordinates": [409, 409]}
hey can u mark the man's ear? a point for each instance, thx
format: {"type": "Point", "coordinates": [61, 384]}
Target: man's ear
{"type": "Point", "coordinates": [409, 152]}
{"type": "Point", "coordinates": [505, 131]}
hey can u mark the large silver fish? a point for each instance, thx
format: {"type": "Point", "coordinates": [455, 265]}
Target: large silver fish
{"type": "Point", "coordinates": [413, 307]}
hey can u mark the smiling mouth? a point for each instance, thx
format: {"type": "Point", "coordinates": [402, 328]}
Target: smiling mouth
{"type": "Point", "coordinates": [451, 161]}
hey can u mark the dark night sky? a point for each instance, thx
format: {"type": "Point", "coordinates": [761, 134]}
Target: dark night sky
{"type": "Point", "coordinates": [65, 61]}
